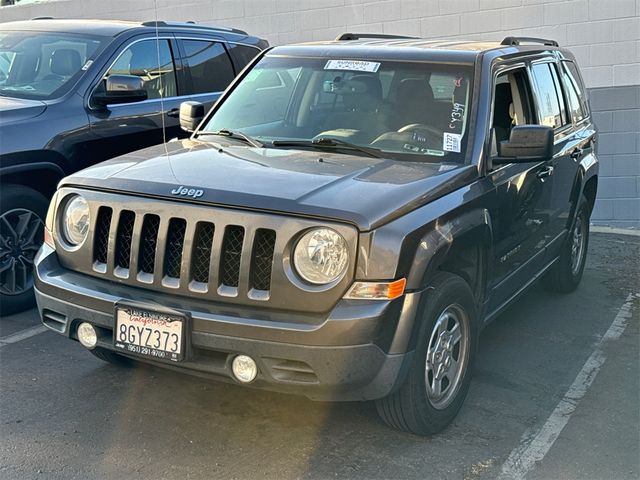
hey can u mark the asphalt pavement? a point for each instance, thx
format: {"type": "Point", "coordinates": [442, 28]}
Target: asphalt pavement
{"type": "Point", "coordinates": [555, 396]}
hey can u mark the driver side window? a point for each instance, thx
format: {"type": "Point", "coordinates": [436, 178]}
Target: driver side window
{"type": "Point", "coordinates": [510, 104]}
{"type": "Point", "coordinates": [152, 61]}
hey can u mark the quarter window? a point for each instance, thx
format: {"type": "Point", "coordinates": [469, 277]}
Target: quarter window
{"type": "Point", "coordinates": [152, 61]}
{"type": "Point", "coordinates": [550, 105]}
{"type": "Point", "coordinates": [209, 64]}
{"type": "Point", "coordinates": [573, 88]}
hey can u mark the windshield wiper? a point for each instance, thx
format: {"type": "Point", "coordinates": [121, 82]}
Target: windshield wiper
{"type": "Point", "coordinates": [329, 142]}
{"type": "Point", "coordinates": [234, 134]}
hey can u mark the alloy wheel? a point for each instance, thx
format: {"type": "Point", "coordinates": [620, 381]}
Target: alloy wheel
{"type": "Point", "coordinates": [20, 238]}
{"type": "Point", "coordinates": [447, 356]}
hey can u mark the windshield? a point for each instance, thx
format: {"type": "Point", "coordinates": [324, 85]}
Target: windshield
{"type": "Point", "coordinates": [42, 65]}
{"type": "Point", "coordinates": [407, 110]}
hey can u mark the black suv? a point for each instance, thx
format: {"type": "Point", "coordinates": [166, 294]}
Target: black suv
{"type": "Point", "coordinates": [342, 224]}
{"type": "Point", "coordinates": [76, 92]}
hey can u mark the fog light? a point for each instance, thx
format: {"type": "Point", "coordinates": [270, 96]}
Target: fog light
{"type": "Point", "coordinates": [244, 368]}
{"type": "Point", "coordinates": [87, 335]}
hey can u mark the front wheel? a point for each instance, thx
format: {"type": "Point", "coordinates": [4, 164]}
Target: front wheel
{"type": "Point", "coordinates": [566, 273]}
{"type": "Point", "coordinates": [22, 214]}
{"type": "Point", "coordinates": [440, 373]}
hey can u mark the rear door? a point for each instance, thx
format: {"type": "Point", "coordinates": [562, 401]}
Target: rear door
{"type": "Point", "coordinates": [208, 68]}
{"type": "Point", "coordinates": [122, 128]}
{"type": "Point", "coordinates": [552, 111]}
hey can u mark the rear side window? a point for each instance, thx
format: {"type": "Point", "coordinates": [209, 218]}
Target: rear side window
{"type": "Point", "coordinates": [575, 91]}
{"type": "Point", "coordinates": [242, 54]}
{"type": "Point", "coordinates": [547, 86]}
{"type": "Point", "coordinates": [209, 65]}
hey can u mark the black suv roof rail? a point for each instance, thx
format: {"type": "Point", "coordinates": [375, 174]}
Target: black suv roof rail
{"type": "Point", "coordinates": [191, 24]}
{"type": "Point", "coordinates": [520, 40]}
{"type": "Point", "coordinates": [43, 18]}
{"type": "Point", "coordinates": [358, 36]}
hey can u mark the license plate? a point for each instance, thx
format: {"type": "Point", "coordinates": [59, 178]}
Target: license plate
{"type": "Point", "coordinates": [151, 334]}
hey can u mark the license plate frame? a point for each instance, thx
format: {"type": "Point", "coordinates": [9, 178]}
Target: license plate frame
{"type": "Point", "coordinates": [156, 319]}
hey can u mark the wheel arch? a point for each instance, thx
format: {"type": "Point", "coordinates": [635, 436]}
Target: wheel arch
{"type": "Point", "coordinates": [41, 170]}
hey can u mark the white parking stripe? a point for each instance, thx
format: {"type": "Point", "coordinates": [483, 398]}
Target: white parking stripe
{"type": "Point", "coordinates": [533, 448]}
{"type": "Point", "coordinates": [22, 335]}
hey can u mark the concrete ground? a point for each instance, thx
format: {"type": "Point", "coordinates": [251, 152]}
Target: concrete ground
{"type": "Point", "coordinates": [551, 399]}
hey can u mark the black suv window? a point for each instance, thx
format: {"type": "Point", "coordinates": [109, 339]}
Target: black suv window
{"type": "Point", "coordinates": [141, 59]}
{"type": "Point", "coordinates": [575, 95]}
{"type": "Point", "coordinates": [242, 54]}
{"type": "Point", "coordinates": [209, 65]}
{"type": "Point", "coordinates": [547, 86]}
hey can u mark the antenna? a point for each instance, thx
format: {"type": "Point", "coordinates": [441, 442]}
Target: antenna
{"type": "Point", "coordinates": [162, 113]}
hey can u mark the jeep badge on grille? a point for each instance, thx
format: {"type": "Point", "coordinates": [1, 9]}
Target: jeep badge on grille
{"type": "Point", "coordinates": [187, 192]}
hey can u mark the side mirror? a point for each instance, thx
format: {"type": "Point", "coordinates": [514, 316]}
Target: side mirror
{"type": "Point", "coordinates": [120, 89]}
{"type": "Point", "coordinates": [527, 143]}
{"type": "Point", "coordinates": [191, 114]}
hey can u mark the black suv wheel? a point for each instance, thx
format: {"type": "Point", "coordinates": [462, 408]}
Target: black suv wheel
{"type": "Point", "coordinates": [22, 214]}
{"type": "Point", "coordinates": [439, 378]}
{"type": "Point", "coordinates": [565, 275]}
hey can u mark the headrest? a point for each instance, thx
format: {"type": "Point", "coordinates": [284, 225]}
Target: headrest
{"type": "Point", "coordinates": [411, 90]}
{"type": "Point", "coordinates": [371, 85]}
{"type": "Point", "coordinates": [65, 62]}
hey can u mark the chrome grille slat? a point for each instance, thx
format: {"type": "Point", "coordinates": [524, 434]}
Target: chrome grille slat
{"type": "Point", "coordinates": [187, 252]}
{"type": "Point", "coordinates": [160, 249]}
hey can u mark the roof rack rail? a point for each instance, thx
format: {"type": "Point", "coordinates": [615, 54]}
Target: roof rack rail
{"type": "Point", "coordinates": [42, 18]}
{"type": "Point", "coordinates": [358, 36]}
{"type": "Point", "coordinates": [520, 40]}
{"type": "Point", "coordinates": [191, 24]}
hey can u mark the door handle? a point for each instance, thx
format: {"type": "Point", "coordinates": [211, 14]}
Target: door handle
{"type": "Point", "coordinates": [577, 153]}
{"type": "Point", "coordinates": [173, 113]}
{"type": "Point", "coordinates": [545, 172]}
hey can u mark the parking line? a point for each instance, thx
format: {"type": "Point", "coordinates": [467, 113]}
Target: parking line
{"type": "Point", "coordinates": [22, 335]}
{"type": "Point", "coordinates": [533, 448]}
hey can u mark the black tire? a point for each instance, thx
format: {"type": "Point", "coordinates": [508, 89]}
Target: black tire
{"type": "Point", "coordinates": [565, 276]}
{"type": "Point", "coordinates": [410, 407]}
{"type": "Point", "coordinates": [111, 357]}
{"type": "Point", "coordinates": [16, 293]}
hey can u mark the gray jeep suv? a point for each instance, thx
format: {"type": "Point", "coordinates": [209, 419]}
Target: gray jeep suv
{"type": "Point", "coordinates": [342, 224]}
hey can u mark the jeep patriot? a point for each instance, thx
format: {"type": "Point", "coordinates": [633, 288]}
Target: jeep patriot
{"type": "Point", "coordinates": [341, 224]}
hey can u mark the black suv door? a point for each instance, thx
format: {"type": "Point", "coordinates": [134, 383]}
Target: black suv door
{"type": "Point", "coordinates": [127, 127]}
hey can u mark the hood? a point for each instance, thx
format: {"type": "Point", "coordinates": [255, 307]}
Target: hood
{"type": "Point", "coordinates": [14, 110]}
{"type": "Point", "coordinates": [360, 190]}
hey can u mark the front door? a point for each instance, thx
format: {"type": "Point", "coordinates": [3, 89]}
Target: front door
{"type": "Point", "coordinates": [127, 127]}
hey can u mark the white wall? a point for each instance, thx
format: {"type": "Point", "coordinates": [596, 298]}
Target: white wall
{"type": "Point", "coordinates": [604, 34]}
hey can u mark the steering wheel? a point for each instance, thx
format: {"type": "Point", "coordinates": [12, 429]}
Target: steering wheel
{"type": "Point", "coordinates": [421, 128]}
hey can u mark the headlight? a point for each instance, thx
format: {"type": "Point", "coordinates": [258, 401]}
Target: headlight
{"type": "Point", "coordinates": [75, 221]}
{"type": "Point", "coordinates": [321, 256]}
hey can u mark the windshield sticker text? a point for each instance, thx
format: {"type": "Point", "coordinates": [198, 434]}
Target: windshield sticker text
{"type": "Point", "coordinates": [457, 115]}
{"type": "Point", "coordinates": [352, 65]}
{"type": "Point", "coordinates": [451, 142]}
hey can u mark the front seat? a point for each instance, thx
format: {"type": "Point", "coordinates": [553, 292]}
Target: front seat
{"type": "Point", "coordinates": [414, 102]}
{"type": "Point", "coordinates": [64, 62]}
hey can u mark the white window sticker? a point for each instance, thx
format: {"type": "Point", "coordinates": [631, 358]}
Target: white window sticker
{"type": "Point", "coordinates": [451, 142]}
{"type": "Point", "coordinates": [352, 65]}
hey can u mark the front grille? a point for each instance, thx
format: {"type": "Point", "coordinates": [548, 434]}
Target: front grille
{"type": "Point", "coordinates": [201, 259]}
{"type": "Point", "coordinates": [173, 251]}
{"type": "Point", "coordinates": [148, 243]}
{"type": "Point", "coordinates": [124, 238]}
{"type": "Point", "coordinates": [101, 242]}
{"type": "Point", "coordinates": [231, 254]}
{"type": "Point", "coordinates": [175, 246]}
{"type": "Point", "coordinates": [262, 259]}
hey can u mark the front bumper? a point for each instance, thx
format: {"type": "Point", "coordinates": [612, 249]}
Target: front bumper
{"type": "Point", "coordinates": [355, 352]}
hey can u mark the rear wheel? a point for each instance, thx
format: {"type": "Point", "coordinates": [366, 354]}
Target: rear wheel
{"type": "Point", "coordinates": [439, 377]}
{"type": "Point", "coordinates": [566, 273]}
{"type": "Point", "coordinates": [22, 214]}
